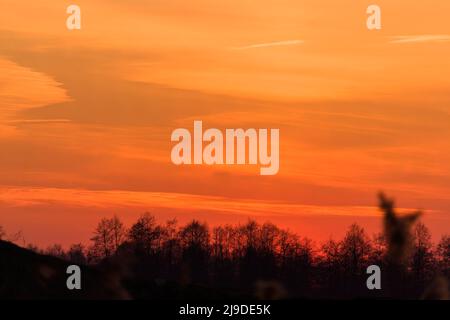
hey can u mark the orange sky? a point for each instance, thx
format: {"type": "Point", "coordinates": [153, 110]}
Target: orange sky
{"type": "Point", "coordinates": [86, 116]}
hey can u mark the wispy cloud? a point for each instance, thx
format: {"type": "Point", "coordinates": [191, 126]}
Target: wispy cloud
{"type": "Point", "coordinates": [38, 121]}
{"type": "Point", "coordinates": [271, 44]}
{"type": "Point", "coordinates": [113, 199]}
{"type": "Point", "coordinates": [120, 198]}
{"type": "Point", "coordinates": [420, 38]}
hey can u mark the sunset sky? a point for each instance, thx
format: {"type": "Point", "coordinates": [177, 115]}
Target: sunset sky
{"type": "Point", "coordinates": [86, 115]}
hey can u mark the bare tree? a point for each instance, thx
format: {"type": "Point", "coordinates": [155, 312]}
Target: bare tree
{"type": "Point", "coordinates": [195, 239]}
{"type": "Point", "coordinates": [219, 245]}
{"type": "Point", "coordinates": [422, 254]}
{"type": "Point", "coordinates": [195, 234]}
{"type": "Point", "coordinates": [269, 238]}
{"type": "Point", "coordinates": [249, 234]}
{"type": "Point", "coordinates": [379, 247]}
{"type": "Point", "coordinates": [144, 233]}
{"type": "Point", "coordinates": [77, 254]}
{"type": "Point", "coordinates": [170, 242]}
{"type": "Point", "coordinates": [355, 249]}
{"type": "Point", "coordinates": [118, 232]}
{"type": "Point", "coordinates": [108, 236]}
{"type": "Point", "coordinates": [443, 253]}
{"type": "Point", "coordinates": [331, 249]}
{"type": "Point", "coordinates": [55, 250]}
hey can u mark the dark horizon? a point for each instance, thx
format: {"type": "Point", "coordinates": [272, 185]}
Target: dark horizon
{"type": "Point", "coordinates": [250, 259]}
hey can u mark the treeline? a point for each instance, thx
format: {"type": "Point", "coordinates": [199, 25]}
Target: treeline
{"type": "Point", "coordinates": [260, 259]}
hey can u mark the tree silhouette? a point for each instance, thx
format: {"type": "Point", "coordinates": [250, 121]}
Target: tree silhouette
{"type": "Point", "coordinates": [194, 238]}
{"type": "Point", "coordinates": [240, 259]}
{"type": "Point", "coordinates": [76, 254]}
{"type": "Point", "coordinates": [422, 256]}
{"type": "Point", "coordinates": [56, 250]}
{"type": "Point", "coordinates": [379, 248]}
{"type": "Point", "coordinates": [355, 249]}
{"type": "Point", "coordinates": [170, 247]}
{"type": "Point", "coordinates": [145, 233]}
{"type": "Point", "coordinates": [108, 236]}
{"type": "Point", "coordinates": [443, 254]}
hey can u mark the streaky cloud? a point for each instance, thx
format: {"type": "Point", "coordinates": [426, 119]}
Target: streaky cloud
{"type": "Point", "coordinates": [39, 121]}
{"type": "Point", "coordinates": [420, 38]}
{"type": "Point", "coordinates": [271, 44]}
{"type": "Point", "coordinates": [18, 196]}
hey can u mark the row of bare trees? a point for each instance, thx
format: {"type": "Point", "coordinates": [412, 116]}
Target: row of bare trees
{"type": "Point", "coordinates": [241, 255]}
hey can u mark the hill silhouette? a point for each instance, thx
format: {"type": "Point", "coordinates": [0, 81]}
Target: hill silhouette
{"type": "Point", "coordinates": [25, 274]}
